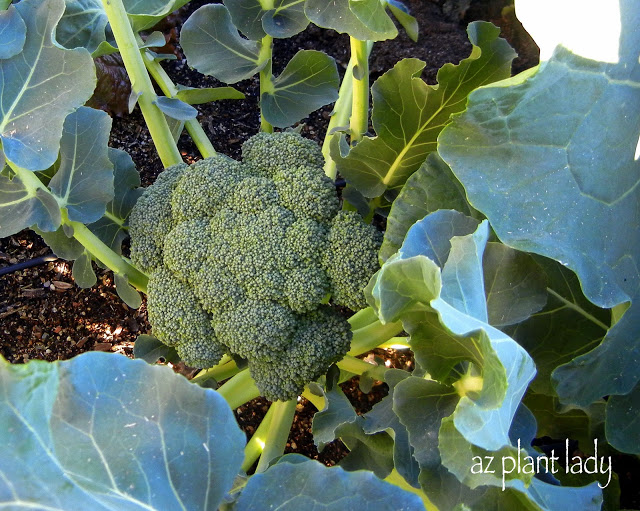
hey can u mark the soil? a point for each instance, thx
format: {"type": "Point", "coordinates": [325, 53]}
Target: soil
{"type": "Point", "coordinates": [43, 315]}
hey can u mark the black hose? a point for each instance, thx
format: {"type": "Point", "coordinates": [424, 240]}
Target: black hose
{"type": "Point", "coordinates": [36, 261]}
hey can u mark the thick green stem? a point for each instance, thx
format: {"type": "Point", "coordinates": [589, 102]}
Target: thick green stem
{"type": "Point", "coordinates": [359, 123]}
{"type": "Point", "coordinates": [167, 86]}
{"type": "Point", "coordinates": [371, 336]}
{"type": "Point", "coordinates": [141, 82]}
{"type": "Point", "coordinates": [255, 446]}
{"type": "Point", "coordinates": [396, 343]}
{"type": "Point", "coordinates": [239, 390]}
{"type": "Point", "coordinates": [397, 480]}
{"type": "Point", "coordinates": [317, 401]}
{"type": "Point", "coordinates": [83, 235]}
{"type": "Point", "coordinates": [266, 78]}
{"type": "Point", "coordinates": [362, 318]}
{"type": "Point", "coordinates": [4, 4]}
{"type": "Point", "coordinates": [357, 366]}
{"type": "Point", "coordinates": [106, 256]}
{"type": "Point", "coordinates": [219, 372]}
{"type": "Point", "coordinates": [283, 412]}
{"type": "Point", "coordinates": [341, 113]}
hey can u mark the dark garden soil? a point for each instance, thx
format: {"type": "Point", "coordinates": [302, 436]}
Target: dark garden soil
{"type": "Point", "coordinates": [43, 315]}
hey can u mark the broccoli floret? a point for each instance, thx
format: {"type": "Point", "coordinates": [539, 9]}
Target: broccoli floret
{"type": "Point", "coordinates": [351, 258]}
{"type": "Point", "coordinates": [244, 257]}
{"type": "Point", "coordinates": [179, 321]}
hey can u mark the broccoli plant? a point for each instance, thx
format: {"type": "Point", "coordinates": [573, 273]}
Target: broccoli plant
{"type": "Point", "coordinates": [243, 258]}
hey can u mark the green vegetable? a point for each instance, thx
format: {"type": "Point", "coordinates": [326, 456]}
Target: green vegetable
{"type": "Point", "coordinates": [243, 258]}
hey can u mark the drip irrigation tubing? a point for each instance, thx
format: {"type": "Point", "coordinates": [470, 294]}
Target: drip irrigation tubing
{"type": "Point", "coordinates": [36, 261]}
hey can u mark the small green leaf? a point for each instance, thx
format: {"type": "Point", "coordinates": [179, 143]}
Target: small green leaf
{"type": "Point", "coordinates": [247, 16]}
{"type": "Point", "coordinates": [193, 96]}
{"type": "Point", "coordinates": [126, 292]}
{"type": "Point", "coordinates": [340, 16]}
{"type": "Point", "coordinates": [13, 33]}
{"type": "Point", "coordinates": [82, 271]}
{"type": "Point", "coordinates": [432, 187]}
{"type": "Point", "coordinates": [408, 114]}
{"type": "Point", "coordinates": [62, 246]}
{"type": "Point", "coordinates": [176, 109]}
{"type": "Point", "coordinates": [286, 19]}
{"type": "Point", "coordinates": [373, 15]}
{"type": "Point", "coordinates": [214, 47]}
{"type": "Point", "coordinates": [372, 452]}
{"type": "Point", "coordinates": [310, 485]}
{"type": "Point", "coordinates": [154, 40]}
{"type": "Point", "coordinates": [309, 81]}
{"type": "Point", "coordinates": [150, 349]}
{"type": "Point", "coordinates": [84, 25]}
{"type": "Point", "coordinates": [337, 411]}
{"type": "Point", "coordinates": [408, 22]}
{"type": "Point", "coordinates": [83, 182]}
{"type": "Point", "coordinates": [41, 85]}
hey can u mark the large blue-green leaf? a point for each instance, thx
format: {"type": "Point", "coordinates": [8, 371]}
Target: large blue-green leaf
{"type": "Point", "coordinates": [413, 288]}
{"type": "Point", "coordinates": [623, 421]}
{"type": "Point", "coordinates": [103, 432]}
{"type": "Point", "coordinates": [310, 80]}
{"type": "Point", "coordinates": [551, 158]}
{"type": "Point", "coordinates": [432, 187]}
{"type": "Point", "coordinates": [383, 418]}
{"type": "Point", "coordinates": [247, 17]}
{"type": "Point", "coordinates": [568, 326]}
{"type": "Point", "coordinates": [83, 182]}
{"type": "Point", "coordinates": [41, 85]}
{"type": "Point", "coordinates": [295, 485]}
{"type": "Point", "coordinates": [515, 285]}
{"type": "Point", "coordinates": [408, 114]}
{"type": "Point", "coordinates": [13, 32]}
{"type": "Point", "coordinates": [362, 19]}
{"type": "Point", "coordinates": [214, 47]}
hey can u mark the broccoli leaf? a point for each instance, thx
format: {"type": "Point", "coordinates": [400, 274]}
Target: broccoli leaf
{"type": "Point", "coordinates": [104, 432]}
{"type": "Point", "coordinates": [194, 96]}
{"type": "Point", "coordinates": [83, 182]}
{"type": "Point", "coordinates": [309, 81]}
{"type": "Point", "coordinates": [286, 19]}
{"type": "Point", "coordinates": [432, 187]}
{"type": "Point", "coordinates": [214, 47]}
{"type": "Point", "coordinates": [41, 85]}
{"type": "Point", "coordinates": [310, 484]}
{"type": "Point", "coordinates": [362, 19]}
{"type": "Point", "coordinates": [623, 421]}
{"type": "Point", "coordinates": [404, 104]}
{"type": "Point", "coordinates": [85, 23]}
{"type": "Point", "coordinates": [551, 158]}
{"type": "Point", "coordinates": [13, 32]}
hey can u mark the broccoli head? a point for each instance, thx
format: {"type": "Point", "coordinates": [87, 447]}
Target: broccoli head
{"type": "Point", "coordinates": [245, 258]}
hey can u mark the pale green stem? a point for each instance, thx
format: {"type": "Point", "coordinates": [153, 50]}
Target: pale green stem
{"type": "Point", "coordinates": [362, 318]}
{"type": "Point", "coordinates": [220, 372]}
{"type": "Point", "coordinates": [278, 433]}
{"type": "Point", "coordinates": [4, 4]}
{"type": "Point", "coordinates": [357, 366]}
{"type": "Point", "coordinates": [83, 235]}
{"type": "Point", "coordinates": [141, 82]}
{"type": "Point", "coordinates": [396, 343]}
{"type": "Point", "coordinates": [167, 86]}
{"type": "Point", "coordinates": [397, 480]}
{"type": "Point", "coordinates": [359, 123]}
{"type": "Point", "coordinates": [255, 446]}
{"type": "Point", "coordinates": [340, 114]}
{"type": "Point", "coordinates": [578, 309]}
{"type": "Point", "coordinates": [266, 78]}
{"type": "Point", "coordinates": [317, 401]}
{"type": "Point", "coordinates": [370, 337]}
{"type": "Point", "coordinates": [239, 390]}
{"type": "Point", "coordinates": [106, 256]}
